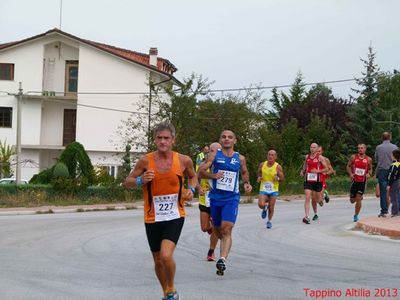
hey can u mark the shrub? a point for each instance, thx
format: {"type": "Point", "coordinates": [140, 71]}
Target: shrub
{"type": "Point", "coordinates": [60, 170]}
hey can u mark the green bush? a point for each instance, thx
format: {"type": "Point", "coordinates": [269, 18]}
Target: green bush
{"type": "Point", "coordinates": [44, 177]}
{"type": "Point", "coordinates": [78, 162]}
{"type": "Point", "coordinates": [60, 170]}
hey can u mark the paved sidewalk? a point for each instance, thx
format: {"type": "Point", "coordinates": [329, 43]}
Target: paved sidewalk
{"type": "Point", "coordinates": [384, 226]}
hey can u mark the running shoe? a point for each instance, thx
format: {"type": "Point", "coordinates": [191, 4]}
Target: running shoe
{"type": "Point", "coordinates": [321, 202]}
{"type": "Point", "coordinates": [264, 213]}
{"type": "Point", "coordinates": [315, 218]}
{"type": "Point", "coordinates": [382, 215]}
{"type": "Point", "coordinates": [356, 218]}
{"type": "Point", "coordinates": [326, 196]}
{"type": "Point", "coordinates": [306, 220]}
{"type": "Point", "coordinates": [269, 225]}
{"type": "Point", "coordinates": [172, 296]}
{"type": "Point", "coordinates": [221, 266]}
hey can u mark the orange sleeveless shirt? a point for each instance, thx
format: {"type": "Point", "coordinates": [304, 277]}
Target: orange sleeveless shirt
{"type": "Point", "coordinates": [163, 195]}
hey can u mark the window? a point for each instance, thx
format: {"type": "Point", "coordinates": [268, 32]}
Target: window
{"type": "Point", "coordinates": [71, 77]}
{"type": "Point", "coordinates": [5, 117]}
{"type": "Point", "coordinates": [69, 132]}
{"type": "Point", "coordinates": [6, 71]}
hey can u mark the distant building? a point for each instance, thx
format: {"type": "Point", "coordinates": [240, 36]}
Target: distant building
{"type": "Point", "coordinates": [66, 80]}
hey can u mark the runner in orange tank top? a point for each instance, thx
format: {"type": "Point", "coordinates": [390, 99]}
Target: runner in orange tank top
{"type": "Point", "coordinates": [162, 174]}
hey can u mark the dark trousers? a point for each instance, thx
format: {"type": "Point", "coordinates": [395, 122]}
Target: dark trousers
{"type": "Point", "coordinates": [383, 182]}
{"type": "Point", "coordinates": [395, 196]}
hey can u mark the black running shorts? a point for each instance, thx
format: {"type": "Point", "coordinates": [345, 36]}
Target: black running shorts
{"type": "Point", "coordinates": [314, 186]}
{"type": "Point", "coordinates": [357, 188]}
{"type": "Point", "coordinates": [166, 230]}
{"type": "Point", "coordinates": [204, 209]}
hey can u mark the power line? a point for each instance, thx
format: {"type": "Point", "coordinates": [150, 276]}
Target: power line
{"type": "Point", "coordinates": [161, 92]}
{"type": "Point", "coordinates": [97, 107]}
{"type": "Point", "coordinates": [283, 86]}
{"type": "Point", "coordinates": [213, 90]}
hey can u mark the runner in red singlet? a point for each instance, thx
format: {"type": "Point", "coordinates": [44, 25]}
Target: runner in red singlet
{"type": "Point", "coordinates": [313, 166]}
{"type": "Point", "coordinates": [359, 169]}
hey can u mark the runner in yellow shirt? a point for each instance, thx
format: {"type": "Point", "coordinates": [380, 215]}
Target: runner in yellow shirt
{"type": "Point", "coordinates": [269, 173]}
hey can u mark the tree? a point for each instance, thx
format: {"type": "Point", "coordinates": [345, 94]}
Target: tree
{"type": "Point", "coordinates": [290, 150]}
{"type": "Point", "coordinates": [388, 93]}
{"type": "Point", "coordinates": [78, 162]}
{"type": "Point", "coordinates": [167, 104]}
{"type": "Point", "coordinates": [6, 152]}
{"type": "Point", "coordinates": [126, 162]}
{"type": "Point", "coordinates": [78, 167]}
{"type": "Point", "coordinates": [296, 95]}
{"type": "Point", "coordinates": [365, 111]}
{"type": "Point", "coordinates": [180, 110]}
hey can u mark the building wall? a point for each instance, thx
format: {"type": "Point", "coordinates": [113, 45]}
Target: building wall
{"type": "Point", "coordinates": [52, 125]}
{"type": "Point", "coordinates": [56, 53]}
{"type": "Point", "coordinates": [28, 60]}
{"type": "Point", "coordinates": [40, 65]}
{"type": "Point", "coordinates": [29, 163]}
{"type": "Point", "coordinates": [9, 134]}
{"type": "Point", "coordinates": [101, 72]}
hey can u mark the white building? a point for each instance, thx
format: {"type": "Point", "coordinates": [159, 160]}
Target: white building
{"type": "Point", "coordinates": [73, 90]}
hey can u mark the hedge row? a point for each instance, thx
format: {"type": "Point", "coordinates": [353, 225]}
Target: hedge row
{"type": "Point", "coordinates": [29, 195]}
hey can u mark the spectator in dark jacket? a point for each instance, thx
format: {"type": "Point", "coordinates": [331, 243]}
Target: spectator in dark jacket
{"type": "Point", "coordinates": [394, 183]}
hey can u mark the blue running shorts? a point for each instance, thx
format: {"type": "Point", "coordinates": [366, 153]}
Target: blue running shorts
{"type": "Point", "coordinates": [224, 211]}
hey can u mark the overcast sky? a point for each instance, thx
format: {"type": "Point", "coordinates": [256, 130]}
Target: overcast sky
{"type": "Point", "coordinates": [234, 43]}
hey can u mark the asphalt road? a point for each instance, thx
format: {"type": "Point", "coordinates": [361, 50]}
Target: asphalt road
{"type": "Point", "coordinates": [104, 255]}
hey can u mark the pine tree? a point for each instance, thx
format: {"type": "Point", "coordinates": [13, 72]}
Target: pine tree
{"type": "Point", "coordinates": [365, 113]}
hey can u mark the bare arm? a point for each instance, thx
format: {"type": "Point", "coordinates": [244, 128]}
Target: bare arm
{"type": "Point", "coordinates": [330, 168]}
{"type": "Point", "coordinates": [140, 170]}
{"type": "Point", "coordinates": [245, 174]}
{"type": "Point", "coordinates": [349, 167]}
{"type": "Point", "coordinates": [259, 175]}
{"type": "Point", "coordinates": [370, 168]}
{"type": "Point", "coordinates": [279, 170]}
{"type": "Point", "coordinates": [206, 165]}
{"type": "Point", "coordinates": [189, 171]}
{"type": "Point", "coordinates": [303, 168]}
{"type": "Point", "coordinates": [322, 160]}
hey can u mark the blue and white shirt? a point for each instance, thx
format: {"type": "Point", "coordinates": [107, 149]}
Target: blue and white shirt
{"type": "Point", "coordinates": [227, 187]}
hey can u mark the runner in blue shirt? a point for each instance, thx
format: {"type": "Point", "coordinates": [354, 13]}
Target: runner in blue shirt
{"type": "Point", "coordinates": [225, 164]}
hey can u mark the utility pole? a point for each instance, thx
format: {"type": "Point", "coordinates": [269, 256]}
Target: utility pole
{"type": "Point", "coordinates": [60, 14]}
{"type": "Point", "coordinates": [152, 86]}
{"type": "Point", "coordinates": [18, 143]}
{"type": "Point", "coordinates": [149, 120]}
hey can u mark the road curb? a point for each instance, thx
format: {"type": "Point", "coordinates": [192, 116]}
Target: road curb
{"type": "Point", "coordinates": [383, 226]}
{"type": "Point", "coordinates": [58, 210]}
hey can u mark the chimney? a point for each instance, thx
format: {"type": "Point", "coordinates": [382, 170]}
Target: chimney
{"type": "Point", "coordinates": [153, 52]}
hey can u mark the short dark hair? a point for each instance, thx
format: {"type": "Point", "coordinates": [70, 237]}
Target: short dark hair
{"type": "Point", "coordinates": [386, 136]}
{"type": "Point", "coordinates": [396, 154]}
{"type": "Point", "coordinates": [164, 126]}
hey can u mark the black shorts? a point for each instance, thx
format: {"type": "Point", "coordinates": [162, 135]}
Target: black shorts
{"type": "Point", "coordinates": [205, 209]}
{"type": "Point", "coordinates": [314, 186]}
{"type": "Point", "coordinates": [357, 188]}
{"type": "Point", "coordinates": [166, 230]}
